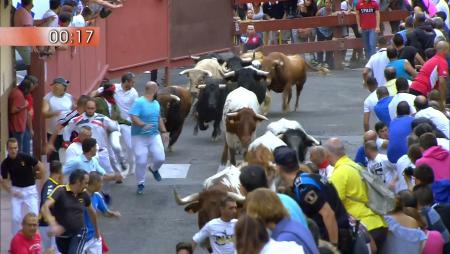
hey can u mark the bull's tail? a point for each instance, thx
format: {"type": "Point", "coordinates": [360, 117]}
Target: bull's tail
{"type": "Point", "coordinates": [322, 70]}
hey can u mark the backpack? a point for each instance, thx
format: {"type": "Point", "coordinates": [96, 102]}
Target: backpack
{"type": "Point", "coordinates": [381, 198]}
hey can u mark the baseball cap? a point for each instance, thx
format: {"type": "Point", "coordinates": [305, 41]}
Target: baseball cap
{"type": "Point", "coordinates": [61, 81]}
{"type": "Point", "coordinates": [285, 156]}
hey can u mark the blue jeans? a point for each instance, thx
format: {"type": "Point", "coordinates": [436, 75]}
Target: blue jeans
{"type": "Point", "coordinates": [370, 42]}
{"type": "Point", "coordinates": [26, 141]}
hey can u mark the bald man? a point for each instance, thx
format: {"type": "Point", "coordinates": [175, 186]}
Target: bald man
{"type": "Point", "coordinates": [146, 127]}
{"type": "Point", "coordinates": [361, 157]}
{"type": "Point", "coordinates": [318, 156]}
{"type": "Point", "coordinates": [352, 190]}
{"type": "Point", "coordinates": [433, 74]}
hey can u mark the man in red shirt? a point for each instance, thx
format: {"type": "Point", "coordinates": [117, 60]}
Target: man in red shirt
{"type": "Point", "coordinates": [368, 20]}
{"type": "Point", "coordinates": [28, 240]}
{"type": "Point", "coordinates": [433, 74]}
{"type": "Point", "coordinates": [18, 112]}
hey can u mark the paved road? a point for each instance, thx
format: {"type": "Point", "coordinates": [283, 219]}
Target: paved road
{"type": "Point", "coordinates": [153, 223]}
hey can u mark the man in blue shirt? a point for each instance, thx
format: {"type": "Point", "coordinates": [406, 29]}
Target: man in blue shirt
{"type": "Point", "coordinates": [399, 130]}
{"type": "Point", "coordinates": [88, 162]}
{"type": "Point", "coordinates": [382, 107]}
{"type": "Point", "coordinates": [145, 134]}
{"type": "Point", "coordinates": [94, 245]}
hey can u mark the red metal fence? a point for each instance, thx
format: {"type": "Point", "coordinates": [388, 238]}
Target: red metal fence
{"type": "Point", "coordinates": [141, 36]}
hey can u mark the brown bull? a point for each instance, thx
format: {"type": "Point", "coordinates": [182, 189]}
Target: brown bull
{"type": "Point", "coordinates": [240, 129]}
{"type": "Point", "coordinates": [226, 182]}
{"type": "Point", "coordinates": [175, 104]}
{"type": "Point", "coordinates": [284, 72]}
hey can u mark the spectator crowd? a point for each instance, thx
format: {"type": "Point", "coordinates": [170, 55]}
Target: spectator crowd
{"type": "Point", "coordinates": [393, 197]}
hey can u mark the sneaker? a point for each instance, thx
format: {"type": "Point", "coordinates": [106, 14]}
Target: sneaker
{"type": "Point", "coordinates": [156, 174]}
{"type": "Point", "coordinates": [140, 189]}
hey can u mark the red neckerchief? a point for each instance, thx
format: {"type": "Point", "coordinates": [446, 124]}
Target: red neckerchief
{"type": "Point", "coordinates": [77, 139]}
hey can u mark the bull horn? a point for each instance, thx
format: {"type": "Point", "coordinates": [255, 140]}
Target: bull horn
{"type": "Point", "coordinates": [206, 72]}
{"type": "Point", "coordinates": [233, 114]}
{"type": "Point", "coordinates": [237, 197]}
{"type": "Point", "coordinates": [229, 74]}
{"type": "Point", "coordinates": [195, 57]}
{"type": "Point", "coordinates": [175, 97]}
{"type": "Point", "coordinates": [260, 72]}
{"type": "Point", "coordinates": [261, 117]}
{"type": "Point", "coordinates": [201, 86]}
{"type": "Point", "coordinates": [246, 59]}
{"type": "Point", "coordinates": [280, 136]}
{"type": "Point", "coordinates": [186, 200]}
{"type": "Point", "coordinates": [315, 141]}
{"type": "Point", "coordinates": [186, 71]}
{"type": "Point", "coordinates": [221, 86]}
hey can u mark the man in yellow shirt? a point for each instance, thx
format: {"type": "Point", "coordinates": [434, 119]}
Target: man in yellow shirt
{"type": "Point", "coordinates": [353, 192]}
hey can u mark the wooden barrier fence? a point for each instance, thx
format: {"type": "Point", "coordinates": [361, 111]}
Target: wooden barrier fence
{"type": "Point", "coordinates": [338, 21]}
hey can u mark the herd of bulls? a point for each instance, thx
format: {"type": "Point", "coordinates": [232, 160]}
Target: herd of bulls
{"type": "Point", "coordinates": [234, 93]}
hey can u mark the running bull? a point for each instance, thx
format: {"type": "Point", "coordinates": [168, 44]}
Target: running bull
{"type": "Point", "coordinates": [175, 104]}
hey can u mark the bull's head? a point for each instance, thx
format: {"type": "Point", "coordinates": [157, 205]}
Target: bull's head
{"type": "Point", "coordinates": [243, 124]}
{"type": "Point", "coordinates": [298, 140]}
{"type": "Point", "coordinates": [206, 203]}
{"type": "Point", "coordinates": [210, 93]}
{"type": "Point", "coordinates": [196, 77]}
{"type": "Point", "coordinates": [166, 100]}
{"type": "Point", "coordinates": [274, 67]}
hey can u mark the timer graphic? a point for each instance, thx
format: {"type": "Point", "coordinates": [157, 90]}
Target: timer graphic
{"type": "Point", "coordinates": [49, 36]}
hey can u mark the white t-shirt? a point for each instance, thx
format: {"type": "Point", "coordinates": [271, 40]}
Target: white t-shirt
{"type": "Point", "coordinates": [220, 234]}
{"type": "Point", "coordinates": [377, 63]}
{"type": "Point", "coordinates": [380, 142]}
{"type": "Point", "coordinates": [326, 172]}
{"type": "Point", "coordinates": [370, 102]}
{"type": "Point", "coordinates": [275, 247]}
{"type": "Point", "coordinates": [78, 21]}
{"type": "Point", "coordinates": [73, 151]}
{"type": "Point", "coordinates": [402, 163]}
{"type": "Point", "coordinates": [62, 104]}
{"type": "Point", "coordinates": [382, 168]}
{"type": "Point", "coordinates": [437, 117]}
{"type": "Point", "coordinates": [409, 98]}
{"type": "Point", "coordinates": [51, 13]}
{"type": "Point", "coordinates": [125, 99]}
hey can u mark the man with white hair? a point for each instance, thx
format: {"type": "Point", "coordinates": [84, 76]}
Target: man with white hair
{"type": "Point", "coordinates": [146, 127]}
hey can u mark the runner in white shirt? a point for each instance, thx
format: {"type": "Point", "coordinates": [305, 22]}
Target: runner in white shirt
{"type": "Point", "coordinates": [75, 149]}
{"type": "Point", "coordinates": [370, 102]}
{"type": "Point", "coordinates": [379, 165]}
{"type": "Point", "coordinates": [438, 118]}
{"type": "Point", "coordinates": [99, 124]}
{"type": "Point", "coordinates": [220, 231]}
{"type": "Point", "coordinates": [125, 95]}
{"type": "Point", "coordinates": [402, 95]}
